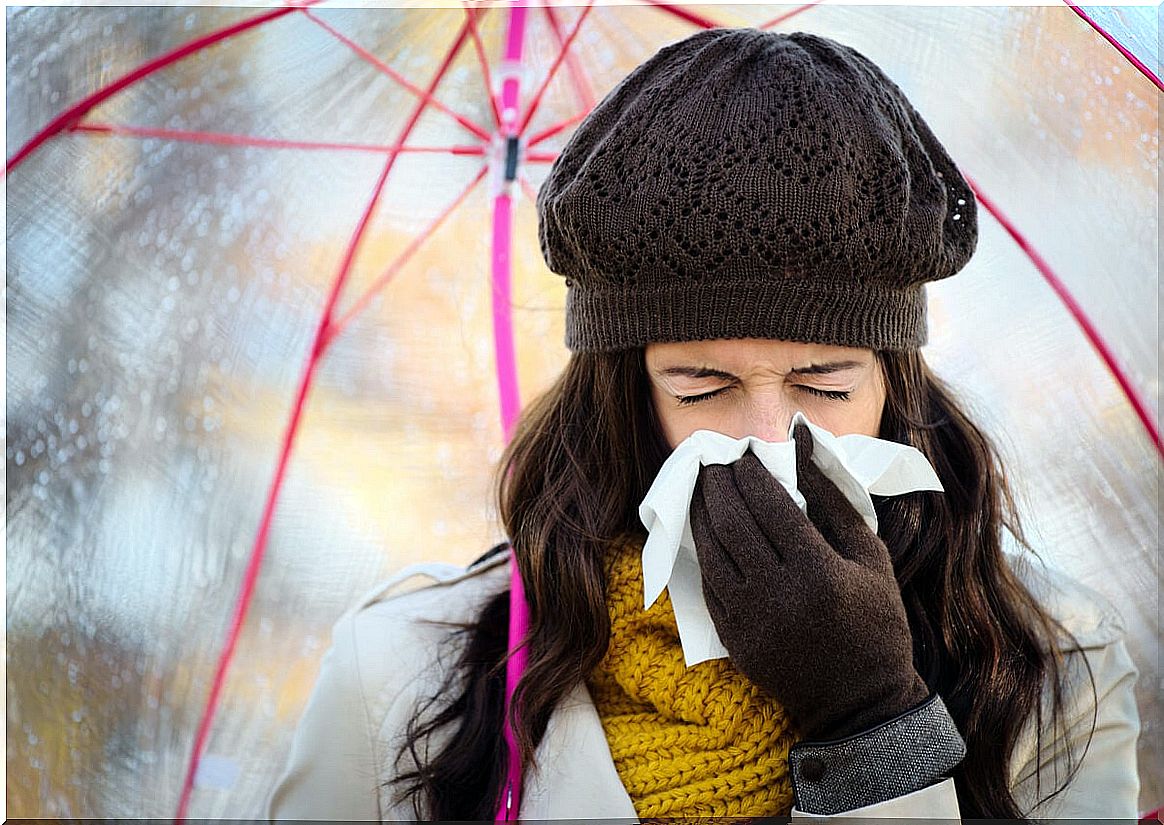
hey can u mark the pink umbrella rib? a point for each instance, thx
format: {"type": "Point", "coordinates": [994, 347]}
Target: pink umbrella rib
{"type": "Point", "coordinates": [503, 232]}
{"type": "Point", "coordinates": [413, 247]}
{"type": "Point", "coordinates": [501, 267]}
{"type": "Point", "coordinates": [1077, 312]}
{"type": "Point", "coordinates": [502, 316]}
{"type": "Point", "coordinates": [316, 354]}
{"type": "Point", "coordinates": [78, 110]}
{"type": "Point", "coordinates": [550, 131]}
{"type": "Point", "coordinates": [775, 21]}
{"type": "Point", "coordinates": [1135, 61]}
{"type": "Point", "coordinates": [684, 14]}
{"type": "Point", "coordinates": [577, 76]}
{"type": "Point", "coordinates": [536, 100]}
{"type": "Point", "coordinates": [221, 138]}
{"type": "Point", "coordinates": [475, 128]}
{"type": "Point", "coordinates": [527, 187]}
{"type": "Point", "coordinates": [486, 75]}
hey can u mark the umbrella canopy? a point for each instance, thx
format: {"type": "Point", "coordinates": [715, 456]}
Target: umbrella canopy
{"type": "Point", "coordinates": [276, 299]}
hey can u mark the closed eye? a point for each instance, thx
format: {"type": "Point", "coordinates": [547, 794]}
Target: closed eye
{"type": "Point", "coordinates": [686, 400]}
{"type": "Point", "coordinates": [835, 395]}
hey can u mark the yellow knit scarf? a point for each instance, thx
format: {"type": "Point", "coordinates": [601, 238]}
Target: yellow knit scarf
{"type": "Point", "coordinates": [687, 742]}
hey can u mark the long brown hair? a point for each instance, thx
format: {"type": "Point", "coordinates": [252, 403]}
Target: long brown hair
{"type": "Point", "coordinates": [582, 458]}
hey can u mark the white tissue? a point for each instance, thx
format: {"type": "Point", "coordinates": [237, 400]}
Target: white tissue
{"type": "Point", "coordinates": [857, 464]}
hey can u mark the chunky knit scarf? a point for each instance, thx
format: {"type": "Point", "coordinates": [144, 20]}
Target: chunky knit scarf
{"type": "Point", "coordinates": [687, 742]}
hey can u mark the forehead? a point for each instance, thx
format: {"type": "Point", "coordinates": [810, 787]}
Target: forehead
{"type": "Point", "coordinates": [744, 353]}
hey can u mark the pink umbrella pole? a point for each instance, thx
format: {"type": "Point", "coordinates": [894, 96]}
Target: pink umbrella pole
{"type": "Point", "coordinates": [507, 374]}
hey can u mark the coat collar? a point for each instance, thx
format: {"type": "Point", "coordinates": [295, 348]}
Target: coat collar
{"type": "Point", "coordinates": [576, 776]}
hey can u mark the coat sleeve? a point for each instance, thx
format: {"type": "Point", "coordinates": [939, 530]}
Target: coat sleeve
{"type": "Point", "coordinates": [388, 651]}
{"type": "Point", "coordinates": [898, 768]}
{"type": "Point", "coordinates": [331, 771]}
{"type": "Point", "coordinates": [1106, 781]}
{"type": "Point", "coordinates": [937, 801]}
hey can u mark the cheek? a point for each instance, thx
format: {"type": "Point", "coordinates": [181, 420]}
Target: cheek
{"type": "Point", "coordinates": [859, 416]}
{"type": "Point", "coordinates": [675, 427]}
{"type": "Point", "coordinates": [865, 418]}
{"type": "Point", "coordinates": [678, 422]}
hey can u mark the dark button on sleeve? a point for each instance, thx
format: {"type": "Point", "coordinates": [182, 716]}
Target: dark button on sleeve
{"type": "Point", "coordinates": [900, 756]}
{"type": "Point", "coordinates": [812, 769]}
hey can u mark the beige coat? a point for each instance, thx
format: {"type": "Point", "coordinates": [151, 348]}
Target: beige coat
{"type": "Point", "coordinates": [381, 661]}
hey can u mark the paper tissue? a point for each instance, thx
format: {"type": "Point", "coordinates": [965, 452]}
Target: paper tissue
{"type": "Point", "coordinates": [858, 464]}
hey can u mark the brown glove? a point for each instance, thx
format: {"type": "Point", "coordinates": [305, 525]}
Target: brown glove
{"type": "Point", "coordinates": [810, 611]}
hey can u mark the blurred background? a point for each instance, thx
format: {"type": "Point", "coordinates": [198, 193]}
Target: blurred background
{"type": "Point", "coordinates": [165, 282]}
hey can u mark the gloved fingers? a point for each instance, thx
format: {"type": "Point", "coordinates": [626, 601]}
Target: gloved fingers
{"type": "Point", "coordinates": [837, 519]}
{"type": "Point", "coordinates": [721, 578]}
{"type": "Point", "coordinates": [716, 566]}
{"type": "Point", "coordinates": [715, 608]}
{"type": "Point", "coordinates": [834, 516]}
{"type": "Point", "coordinates": [823, 498]}
{"type": "Point", "coordinates": [734, 526]}
{"type": "Point", "coordinates": [802, 438]}
{"type": "Point", "coordinates": [783, 526]}
{"type": "Point", "coordinates": [736, 523]}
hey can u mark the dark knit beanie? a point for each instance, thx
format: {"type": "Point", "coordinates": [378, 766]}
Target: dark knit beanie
{"type": "Point", "coordinates": [750, 184]}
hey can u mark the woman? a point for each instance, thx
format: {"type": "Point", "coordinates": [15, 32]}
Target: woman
{"type": "Point", "coordinates": [745, 225]}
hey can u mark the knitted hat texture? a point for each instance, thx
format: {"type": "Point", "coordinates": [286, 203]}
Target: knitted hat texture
{"type": "Point", "coordinates": [751, 184]}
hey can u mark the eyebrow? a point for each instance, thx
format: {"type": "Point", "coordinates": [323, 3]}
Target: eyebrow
{"type": "Point", "coordinates": [811, 369]}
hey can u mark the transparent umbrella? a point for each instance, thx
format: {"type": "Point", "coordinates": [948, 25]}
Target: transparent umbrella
{"type": "Point", "coordinates": [275, 300]}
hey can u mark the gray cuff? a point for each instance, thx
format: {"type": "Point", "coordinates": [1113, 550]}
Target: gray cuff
{"type": "Point", "coordinates": [897, 757]}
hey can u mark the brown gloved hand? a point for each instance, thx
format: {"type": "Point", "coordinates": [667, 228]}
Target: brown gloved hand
{"type": "Point", "coordinates": [812, 616]}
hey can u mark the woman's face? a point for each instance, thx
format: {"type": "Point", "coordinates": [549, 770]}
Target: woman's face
{"type": "Point", "coordinates": [753, 386]}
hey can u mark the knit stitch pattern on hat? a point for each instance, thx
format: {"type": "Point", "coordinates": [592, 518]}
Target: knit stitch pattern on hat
{"type": "Point", "coordinates": [751, 184]}
{"type": "Point", "coordinates": [687, 742]}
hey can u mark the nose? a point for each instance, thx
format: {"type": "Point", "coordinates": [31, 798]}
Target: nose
{"type": "Point", "coordinates": [772, 426]}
